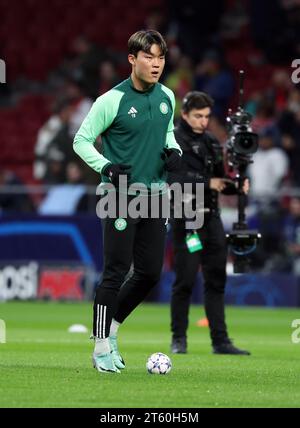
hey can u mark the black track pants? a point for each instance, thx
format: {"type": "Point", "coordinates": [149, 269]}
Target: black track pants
{"type": "Point", "coordinates": [142, 243]}
{"type": "Point", "coordinates": [213, 261]}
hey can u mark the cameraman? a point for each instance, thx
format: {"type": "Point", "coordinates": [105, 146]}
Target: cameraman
{"type": "Point", "coordinates": [202, 162]}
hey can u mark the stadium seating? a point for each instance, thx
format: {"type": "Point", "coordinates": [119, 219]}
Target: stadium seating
{"type": "Point", "coordinates": [34, 40]}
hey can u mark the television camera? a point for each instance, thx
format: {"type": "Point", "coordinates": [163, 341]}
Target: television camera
{"type": "Point", "coordinates": [240, 147]}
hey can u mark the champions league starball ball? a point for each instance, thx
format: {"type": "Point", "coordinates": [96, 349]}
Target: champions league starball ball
{"type": "Point", "coordinates": [158, 363]}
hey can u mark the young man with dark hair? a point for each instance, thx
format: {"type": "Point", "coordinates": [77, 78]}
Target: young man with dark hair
{"type": "Point", "coordinates": [135, 120]}
{"type": "Point", "coordinates": [202, 162]}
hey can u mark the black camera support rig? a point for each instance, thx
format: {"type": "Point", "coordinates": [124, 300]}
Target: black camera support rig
{"type": "Point", "coordinates": [242, 144]}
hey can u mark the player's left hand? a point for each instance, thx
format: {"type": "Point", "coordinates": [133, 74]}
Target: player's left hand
{"type": "Point", "coordinates": [172, 160]}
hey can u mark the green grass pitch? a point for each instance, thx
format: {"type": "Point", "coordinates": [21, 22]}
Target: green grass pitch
{"type": "Point", "coordinates": [42, 365]}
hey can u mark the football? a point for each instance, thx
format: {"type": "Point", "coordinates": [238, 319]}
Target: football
{"type": "Point", "coordinates": [158, 363]}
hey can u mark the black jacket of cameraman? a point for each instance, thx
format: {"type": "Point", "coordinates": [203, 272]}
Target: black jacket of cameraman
{"type": "Point", "coordinates": [202, 159]}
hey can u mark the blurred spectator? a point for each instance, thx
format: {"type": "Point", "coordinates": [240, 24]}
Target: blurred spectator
{"type": "Point", "coordinates": [275, 28]}
{"type": "Point", "coordinates": [196, 26]}
{"type": "Point", "coordinates": [234, 20]}
{"type": "Point", "coordinates": [65, 199]}
{"type": "Point", "coordinates": [279, 92]}
{"type": "Point", "coordinates": [253, 102]}
{"type": "Point", "coordinates": [156, 20]}
{"type": "Point", "coordinates": [49, 131]}
{"type": "Point", "coordinates": [108, 77]}
{"type": "Point", "coordinates": [81, 103]}
{"type": "Point", "coordinates": [214, 78]}
{"type": "Point", "coordinates": [270, 255]}
{"type": "Point", "coordinates": [269, 167]}
{"type": "Point", "coordinates": [289, 124]}
{"type": "Point", "coordinates": [180, 80]}
{"type": "Point", "coordinates": [83, 64]}
{"type": "Point", "coordinates": [14, 197]}
{"type": "Point", "coordinates": [265, 119]}
{"type": "Point", "coordinates": [55, 166]}
{"type": "Point", "coordinates": [60, 149]}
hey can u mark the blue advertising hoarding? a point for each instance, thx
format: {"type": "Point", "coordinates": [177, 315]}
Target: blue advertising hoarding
{"type": "Point", "coordinates": [76, 243]}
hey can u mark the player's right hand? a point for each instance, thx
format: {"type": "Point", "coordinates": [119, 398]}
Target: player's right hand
{"type": "Point", "coordinates": [117, 173]}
